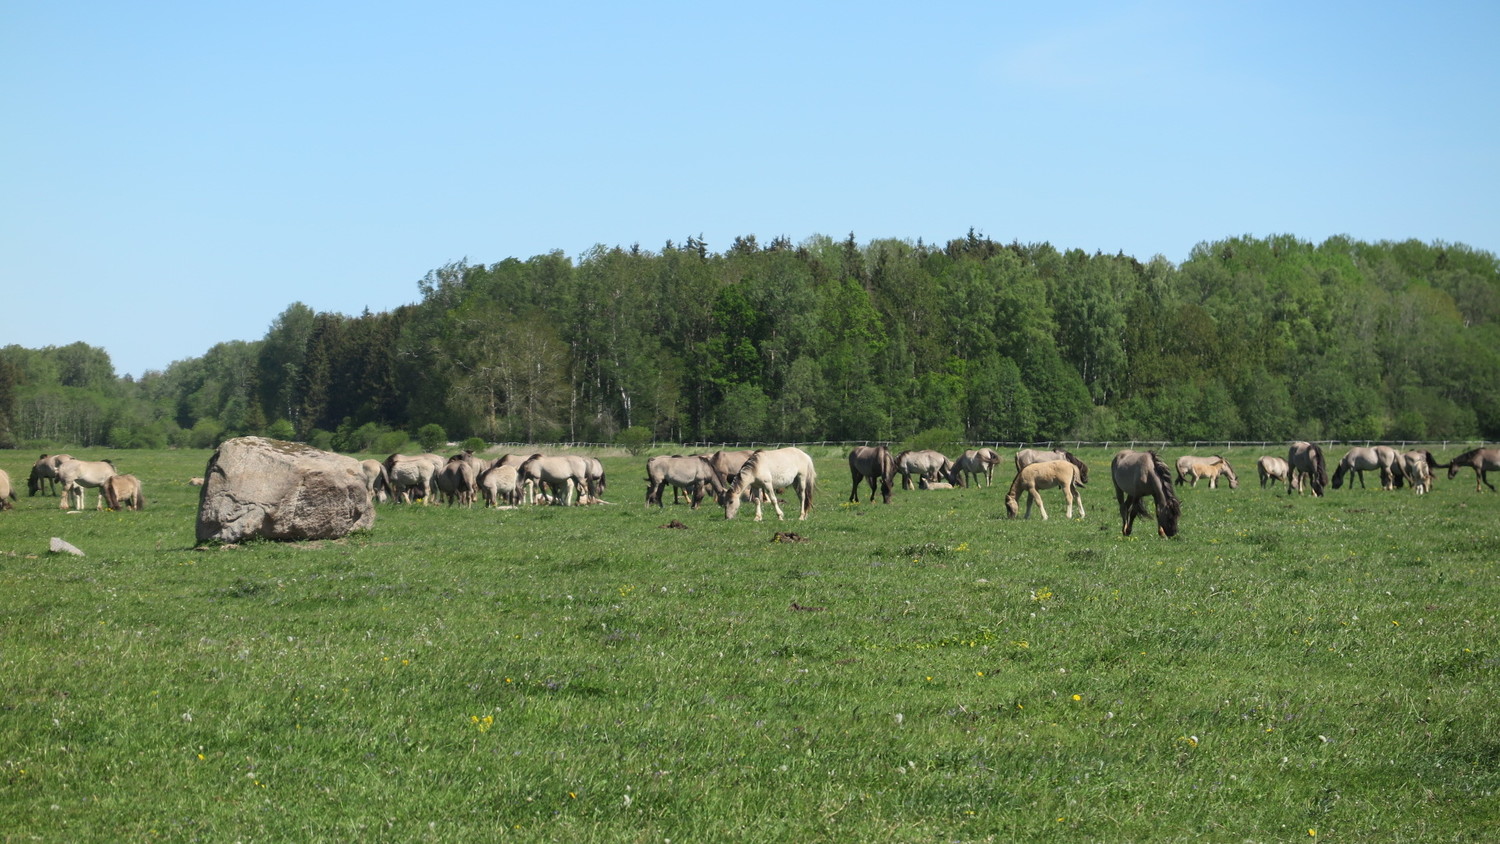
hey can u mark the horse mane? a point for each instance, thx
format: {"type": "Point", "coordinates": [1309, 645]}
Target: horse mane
{"type": "Point", "coordinates": [1083, 469]}
{"type": "Point", "coordinates": [1468, 458]}
{"type": "Point", "coordinates": [1322, 468]}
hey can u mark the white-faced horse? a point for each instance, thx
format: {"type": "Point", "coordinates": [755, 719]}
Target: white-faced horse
{"type": "Point", "coordinates": [768, 472]}
{"type": "Point", "coordinates": [77, 476]}
{"type": "Point", "coordinates": [1053, 474]}
{"type": "Point", "coordinates": [1138, 474]}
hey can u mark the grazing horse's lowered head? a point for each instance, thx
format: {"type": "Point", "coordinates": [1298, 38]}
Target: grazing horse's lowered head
{"type": "Point", "coordinates": [1138, 474]}
{"type": "Point", "coordinates": [1481, 460]}
{"type": "Point", "coordinates": [1305, 458]}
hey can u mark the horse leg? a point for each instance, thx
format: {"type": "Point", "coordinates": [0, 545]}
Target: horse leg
{"type": "Point", "coordinates": [1036, 495]}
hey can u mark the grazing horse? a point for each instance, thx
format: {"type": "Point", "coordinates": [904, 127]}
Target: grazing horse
{"type": "Point", "coordinates": [1417, 465]}
{"type": "Point", "coordinates": [123, 492]}
{"type": "Point", "coordinates": [45, 471]}
{"type": "Point", "coordinates": [1363, 458]}
{"type": "Point", "coordinates": [413, 474]}
{"type": "Point", "coordinates": [1035, 477]}
{"type": "Point", "coordinates": [975, 465]}
{"type": "Point", "coordinates": [7, 494]}
{"type": "Point", "coordinates": [458, 480]}
{"type": "Point", "coordinates": [872, 463]}
{"type": "Point", "coordinates": [925, 463]}
{"type": "Point", "coordinates": [1271, 470]}
{"type": "Point", "coordinates": [692, 475]}
{"type": "Point", "coordinates": [79, 475]}
{"type": "Point", "coordinates": [596, 479]}
{"type": "Point", "coordinates": [1027, 456]}
{"type": "Point", "coordinates": [566, 471]}
{"type": "Point", "coordinates": [1481, 460]}
{"type": "Point", "coordinates": [1306, 459]}
{"type": "Point", "coordinates": [500, 484]}
{"type": "Point", "coordinates": [1138, 474]}
{"type": "Point", "coordinates": [769, 472]}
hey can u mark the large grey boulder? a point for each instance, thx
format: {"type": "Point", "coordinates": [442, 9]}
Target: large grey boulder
{"type": "Point", "coordinates": [256, 487]}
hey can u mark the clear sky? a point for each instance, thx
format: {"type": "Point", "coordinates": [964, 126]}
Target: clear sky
{"type": "Point", "coordinates": [175, 174]}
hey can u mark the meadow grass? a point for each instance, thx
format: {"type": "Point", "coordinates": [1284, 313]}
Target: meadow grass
{"type": "Point", "coordinates": [1286, 669]}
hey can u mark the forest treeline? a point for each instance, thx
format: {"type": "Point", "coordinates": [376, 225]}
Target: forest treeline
{"type": "Point", "coordinates": [1249, 338]}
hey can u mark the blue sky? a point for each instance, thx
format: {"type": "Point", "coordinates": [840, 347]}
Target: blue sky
{"type": "Point", "coordinates": [176, 174]}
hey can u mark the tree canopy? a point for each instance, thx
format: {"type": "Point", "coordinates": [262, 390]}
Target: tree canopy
{"type": "Point", "coordinates": [1249, 338]}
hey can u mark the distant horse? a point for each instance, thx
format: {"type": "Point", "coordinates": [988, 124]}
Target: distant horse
{"type": "Point", "coordinates": [7, 494]}
{"type": "Point", "coordinates": [924, 464]}
{"type": "Point", "coordinates": [1054, 474]}
{"type": "Point", "coordinates": [1138, 474]}
{"type": "Point", "coordinates": [123, 492]}
{"type": "Point", "coordinates": [45, 471]}
{"type": "Point", "coordinates": [1305, 459]}
{"type": "Point", "coordinates": [1481, 460]}
{"type": "Point", "coordinates": [1417, 465]}
{"type": "Point", "coordinates": [413, 474]}
{"type": "Point", "coordinates": [77, 476]}
{"type": "Point", "coordinates": [458, 480]}
{"type": "Point", "coordinates": [975, 465]}
{"type": "Point", "coordinates": [1361, 459]}
{"type": "Point", "coordinates": [1027, 456]}
{"type": "Point", "coordinates": [1192, 468]}
{"type": "Point", "coordinates": [1272, 470]}
{"type": "Point", "coordinates": [693, 475]}
{"type": "Point", "coordinates": [771, 471]}
{"type": "Point", "coordinates": [568, 472]}
{"type": "Point", "coordinates": [871, 464]}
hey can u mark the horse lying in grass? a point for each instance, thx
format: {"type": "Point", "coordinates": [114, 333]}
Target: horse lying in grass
{"type": "Point", "coordinates": [123, 492]}
{"type": "Point", "coordinates": [769, 472]}
{"type": "Point", "coordinates": [1053, 474]}
{"type": "Point", "coordinates": [1481, 460]}
{"type": "Point", "coordinates": [1138, 474]}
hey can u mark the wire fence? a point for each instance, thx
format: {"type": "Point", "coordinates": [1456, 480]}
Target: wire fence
{"type": "Point", "coordinates": [999, 445]}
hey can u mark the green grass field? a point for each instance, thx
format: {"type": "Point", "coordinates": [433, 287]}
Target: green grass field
{"type": "Point", "coordinates": [1287, 669]}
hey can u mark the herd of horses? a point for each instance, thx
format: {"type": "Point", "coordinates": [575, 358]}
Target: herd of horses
{"type": "Point", "coordinates": [758, 476]}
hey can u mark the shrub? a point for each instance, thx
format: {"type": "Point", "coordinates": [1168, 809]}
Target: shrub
{"type": "Point", "coordinates": [634, 439]}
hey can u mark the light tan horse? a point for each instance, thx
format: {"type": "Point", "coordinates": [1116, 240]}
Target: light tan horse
{"type": "Point", "coordinates": [1027, 456]}
{"type": "Point", "coordinates": [7, 494]}
{"type": "Point", "coordinates": [769, 472]}
{"type": "Point", "coordinates": [1206, 467]}
{"type": "Point", "coordinates": [377, 480]}
{"type": "Point", "coordinates": [500, 485]}
{"type": "Point", "coordinates": [78, 476]}
{"type": "Point", "coordinates": [1053, 474]}
{"type": "Point", "coordinates": [123, 492]}
{"type": "Point", "coordinates": [1272, 470]}
{"type": "Point", "coordinates": [1417, 465]}
{"type": "Point", "coordinates": [410, 474]}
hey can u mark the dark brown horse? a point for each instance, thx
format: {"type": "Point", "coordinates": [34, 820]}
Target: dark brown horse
{"type": "Point", "coordinates": [1481, 460]}
{"type": "Point", "coordinates": [1138, 474]}
{"type": "Point", "coordinates": [869, 464]}
{"type": "Point", "coordinates": [1306, 459]}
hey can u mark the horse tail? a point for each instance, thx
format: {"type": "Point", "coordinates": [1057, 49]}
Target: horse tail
{"type": "Point", "coordinates": [140, 498]}
{"type": "Point", "coordinates": [1082, 467]}
{"type": "Point", "coordinates": [1320, 469]}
